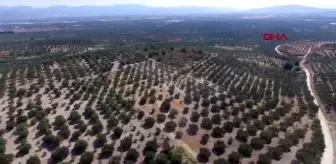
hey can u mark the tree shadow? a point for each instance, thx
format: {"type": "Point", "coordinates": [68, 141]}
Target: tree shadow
{"type": "Point", "coordinates": [17, 140]}
{"type": "Point", "coordinates": [76, 153]}
{"type": "Point", "coordinates": [49, 147]}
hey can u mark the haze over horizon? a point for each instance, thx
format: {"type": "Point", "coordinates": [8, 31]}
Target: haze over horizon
{"type": "Point", "coordinates": [239, 4]}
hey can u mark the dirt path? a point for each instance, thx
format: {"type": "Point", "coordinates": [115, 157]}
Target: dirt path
{"type": "Point", "coordinates": [328, 155]}
{"type": "Point", "coordinates": [278, 51]}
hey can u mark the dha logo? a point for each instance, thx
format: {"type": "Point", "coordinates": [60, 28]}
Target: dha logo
{"type": "Point", "coordinates": [270, 36]}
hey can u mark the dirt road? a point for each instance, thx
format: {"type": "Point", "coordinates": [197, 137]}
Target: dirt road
{"type": "Point", "coordinates": [328, 155]}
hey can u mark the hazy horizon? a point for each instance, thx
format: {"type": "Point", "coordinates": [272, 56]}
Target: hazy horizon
{"type": "Point", "coordinates": [238, 4]}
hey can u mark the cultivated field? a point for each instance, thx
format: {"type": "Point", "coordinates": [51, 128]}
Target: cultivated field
{"type": "Point", "coordinates": [300, 48]}
{"type": "Point", "coordinates": [320, 63]}
{"type": "Point", "coordinates": [159, 105]}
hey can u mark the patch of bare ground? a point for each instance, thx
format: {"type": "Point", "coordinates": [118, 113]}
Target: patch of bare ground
{"type": "Point", "coordinates": [192, 141]}
{"type": "Point", "coordinates": [177, 104]}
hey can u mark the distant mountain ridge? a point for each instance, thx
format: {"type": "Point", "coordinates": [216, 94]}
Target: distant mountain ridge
{"type": "Point", "coordinates": [290, 9]}
{"type": "Point", "coordinates": [27, 12]}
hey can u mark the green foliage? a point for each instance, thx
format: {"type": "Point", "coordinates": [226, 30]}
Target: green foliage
{"type": "Point", "coordinates": [2, 145]}
{"type": "Point", "coordinates": [242, 135]}
{"type": "Point", "coordinates": [24, 149]}
{"type": "Point", "coordinates": [80, 146]}
{"type": "Point", "coordinates": [206, 123]}
{"type": "Point", "coordinates": [161, 158]}
{"type": "Point", "coordinates": [59, 154]}
{"type": "Point", "coordinates": [151, 146]}
{"type": "Point", "coordinates": [100, 140]}
{"type": "Point", "coordinates": [115, 159]}
{"type": "Point", "coordinates": [288, 66]}
{"type": "Point", "coordinates": [51, 140]}
{"type": "Point", "coordinates": [132, 155]}
{"type": "Point", "coordinates": [257, 143]}
{"type": "Point", "coordinates": [221, 161]}
{"type": "Point", "coordinates": [234, 158]}
{"type": "Point", "coordinates": [64, 132]}
{"type": "Point", "coordinates": [203, 155]}
{"type": "Point", "coordinates": [149, 156]}
{"type": "Point", "coordinates": [245, 150]}
{"type": "Point", "coordinates": [33, 160]}
{"type": "Point", "coordinates": [106, 151]}
{"type": "Point", "coordinates": [264, 159]}
{"type": "Point", "coordinates": [59, 121]}
{"type": "Point", "coordinates": [6, 158]}
{"type": "Point", "coordinates": [266, 136]}
{"type": "Point", "coordinates": [218, 148]}
{"type": "Point", "coordinates": [86, 158]}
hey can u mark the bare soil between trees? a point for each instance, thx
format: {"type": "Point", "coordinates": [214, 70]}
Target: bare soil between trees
{"type": "Point", "coordinates": [328, 155]}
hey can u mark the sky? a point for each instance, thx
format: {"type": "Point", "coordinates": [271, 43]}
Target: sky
{"type": "Point", "coordinates": [241, 4]}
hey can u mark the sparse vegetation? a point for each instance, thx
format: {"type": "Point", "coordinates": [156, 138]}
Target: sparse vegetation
{"type": "Point", "coordinates": [130, 99]}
